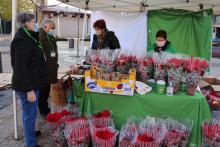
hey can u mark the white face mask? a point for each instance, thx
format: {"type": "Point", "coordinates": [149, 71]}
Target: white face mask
{"type": "Point", "coordinates": [161, 43]}
{"type": "Point", "coordinates": [51, 32]}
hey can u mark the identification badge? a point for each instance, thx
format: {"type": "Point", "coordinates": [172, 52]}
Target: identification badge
{"type": "Point", "coordinates": [53, 54]}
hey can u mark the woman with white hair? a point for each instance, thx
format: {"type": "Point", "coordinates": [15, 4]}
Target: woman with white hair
{"type": "Point", "coordinates": [29, 72]}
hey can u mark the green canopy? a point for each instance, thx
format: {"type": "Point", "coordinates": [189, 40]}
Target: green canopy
{"type": "Point", "coordinates": [189, 32]}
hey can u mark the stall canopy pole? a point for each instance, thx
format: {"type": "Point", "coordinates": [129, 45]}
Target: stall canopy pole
{"type": "Point", "coordinates": [78, 17]}
{"type": "Point", "coordinates": [84, 27]}
{"type": "Point", "coordinates": [14, 13]}
{"type": "Point", "coordinates": [58, 24]}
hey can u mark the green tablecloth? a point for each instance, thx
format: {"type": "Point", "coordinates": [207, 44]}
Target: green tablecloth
{"type": "Point", "coordinates": [179, 106]}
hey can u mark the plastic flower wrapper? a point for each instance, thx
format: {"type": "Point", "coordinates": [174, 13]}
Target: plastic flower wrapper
{"type": "Point", "coordinates": [133, 62]}
{"type": "Point", "coordinates": [104, 137]}
{"type": "Point", "coordinates": [160, 71]}
{"type": "Point", "coordinates": [58, 136]}
{"type": "Point", "coordinates": [128, 132]}
{"type": "Point", "coordinates": [123, 64]}
{"type": "Point", "coordinates": [101, 119]}
{"type": "Point", "coordinates": [174, 134]}
{"type": "Point", "coordinates": [211, 133]}
{"type": "Point", "coordinates": [57, 119]}
{"type": "Point", "coordinates": [154, 125]}
{"type": "Point", "coordinates": [108, 59]}
{"type": "Point", "coordinates": [77, 132]}
{"type": "Point", "coordinates": [146, 68]}
{"type": "Point", "coordinates": [195, 69]}
{"type": "Point", "coordinates": [74, 109]}
{"type": "Point", "coordinates": [187, 128]}
{"type": "Point", "coordinates": [93, 57]}
{"type": "Point", "coordinates": [146, 139]}
{"type": "Point", "coordinates": [174, 72]}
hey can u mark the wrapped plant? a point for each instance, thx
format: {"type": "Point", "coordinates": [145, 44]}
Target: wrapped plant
{"type": "Point", "coordinates": [211, 133]}
{"type": "Point", "coordinates": [101, 119]}
{"type": "Point", "coordinates": [145, 68]}
{"type": "Point", "coordinates": [195, 68]}
{"type": "Point", "coordinates": [104, 137]}
{"type": "Point", "coordinates": [174, 72]}
{"type": "Point", "coordinates": [77, 132]}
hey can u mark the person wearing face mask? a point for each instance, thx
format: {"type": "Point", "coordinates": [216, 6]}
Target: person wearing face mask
{"type": "Point", "coordinates": [162, 44]}
{"type": "Point", "coordinates": [104, 39]}
{"type": "Point", "coordinates": [48, 41]}
{"type": "Point", "coordinates": [29, 72]}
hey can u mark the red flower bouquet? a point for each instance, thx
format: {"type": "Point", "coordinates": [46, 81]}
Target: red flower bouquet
{"type": "Point", "coordinates": [195, 68]}
{"type": "Point", "coordinates": [123, 64]}
{"type": "Point", "coordinates": [145, 68]}
{"type": "Point", "coordinates": [77, 132]}
{"type": "Point", "coordinates": [101, 119]}
{"type": "Point", "coordinates": [211, 133]}
{"type": "Point", "coordinates": [175, 70]}
{"type": "Point", "coordinates": [160, 71]}
{"type": "Point", "coordinates": [178, 133]}
{"type": "Point", "coordinates": [104, 137]}
{"type": "Point", "coordinates": [146, 139]}
{"type": "Point", "coordinates": [127, 135]}
{"type": "Point", "coordinates": [173, 138]}
{"type": "Point", "coordinates": [57, 119]}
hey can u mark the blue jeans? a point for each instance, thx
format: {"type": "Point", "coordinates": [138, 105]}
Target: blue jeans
{"type": "Point", "coordinates": [29, 116]}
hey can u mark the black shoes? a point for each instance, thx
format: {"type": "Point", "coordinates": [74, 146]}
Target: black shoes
{"type": "Point", "coordinates": [38, 133]}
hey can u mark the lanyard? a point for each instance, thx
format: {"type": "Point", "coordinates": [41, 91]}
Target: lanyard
{"type": "Point", "coordinates": [50, 41]}
{"type": "Point", "coordinates": [37, 42]}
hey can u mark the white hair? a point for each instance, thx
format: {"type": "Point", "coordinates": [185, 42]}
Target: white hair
{"type": "Point", "coordinates": [22, 18]}
{"type": "Point", "coordinates": [47, 21]}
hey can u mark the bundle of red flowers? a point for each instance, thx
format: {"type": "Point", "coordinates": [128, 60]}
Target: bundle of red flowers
{"type": "Point", "coordinates": [211, 133]}
{"type": "Point", "coordinates": [160, 71]}
{"type": "Point", "coordinates": [104, 137]}
{"type": "Point", "coordinates": [55, 120]}
{"type": "Point", "coordinates": [133, 62]}
{"type": "Point", "coordinates": [195, 68]}
{"type": "Point", "coordinates": [175, 71]}
{"type": "Point", "coordinates": [101, 119]}
{"type": "Point", "coordinates": [145, 68]}
{"type": "Point", "coordinates": [77, 132]}
{"type": "Point", "coordinates": [173, 138]}
{"type": "Point", "coordinates": [127, 135]}
{"type": "Point", "coordinates": [196, 65]}
{"type": "Point", "coordinates": [122, 64]}
{"type": "Point", "coordinates": [146, 139]}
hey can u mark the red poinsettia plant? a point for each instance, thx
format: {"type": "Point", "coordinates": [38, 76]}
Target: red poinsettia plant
{"type": "Point", "coordinates": [56, 117]}
{"type": "Point", "coordinates": [211, 133]}
{"type": "Point", "coordinates": [102, 114]}
{"type": "Point", "coordinates": [104, 137]}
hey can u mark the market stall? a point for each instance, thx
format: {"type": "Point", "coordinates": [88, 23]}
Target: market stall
{"type": "Point", "coordinates": [175, 104]}
{"type": "Point", "coordinates": [179, 106]}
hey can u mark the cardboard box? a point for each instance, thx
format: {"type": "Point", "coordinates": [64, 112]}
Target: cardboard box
{"type": "Point", "coordinates": [210, 83]}
{"type": "Point", "coordinates": [123, 87]}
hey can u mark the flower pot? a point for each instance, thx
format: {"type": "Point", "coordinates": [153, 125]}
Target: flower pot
{"type": "Point", "coordinates": [191, 90]}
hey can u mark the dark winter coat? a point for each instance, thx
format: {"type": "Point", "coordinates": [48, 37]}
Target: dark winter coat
{"type": "Point", "coordinates": [28, 62]}
{"type": "Point", "coordinates": [50, 47]}
{"type": "Point", "coordinates": [109, 41]}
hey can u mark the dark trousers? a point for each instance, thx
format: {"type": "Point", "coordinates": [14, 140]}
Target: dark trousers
{"type": "Point", "coordinates": [43, 98]}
